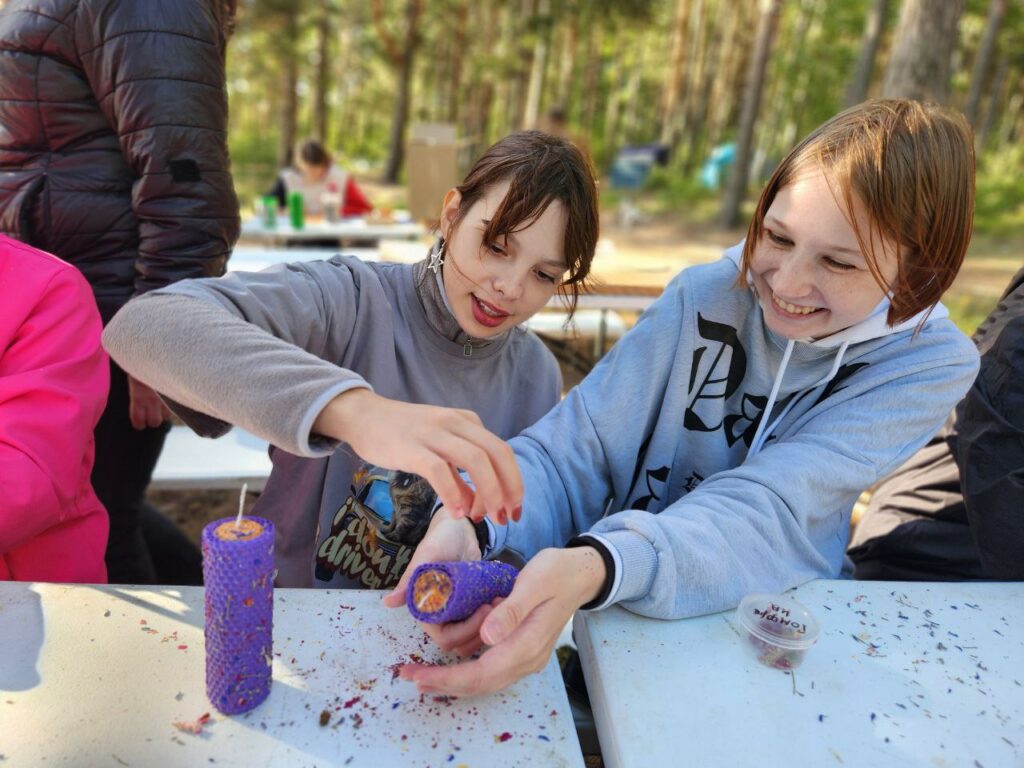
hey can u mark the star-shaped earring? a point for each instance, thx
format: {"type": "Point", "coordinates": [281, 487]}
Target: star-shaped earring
{"type": "Point", "coordinates": [436, 257]}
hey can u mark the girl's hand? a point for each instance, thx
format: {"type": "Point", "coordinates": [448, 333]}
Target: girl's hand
{"type": "Point", "coordinates": [447, 539]}
{"type": "Point", "coordinates": [434, 443]}
{"type": "Point", "coordinates": [522, 629]}
{"type": "Point", "coordinates": [145, 408]}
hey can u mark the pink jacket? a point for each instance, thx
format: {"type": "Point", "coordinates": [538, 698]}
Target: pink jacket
{"type": "Point", "coordinates": [54, 378]}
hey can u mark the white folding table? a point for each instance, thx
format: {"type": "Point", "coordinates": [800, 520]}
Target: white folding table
{"type": "Point", "coordinates": [100, 676]}
{"type": "Point", "coordinates": [904, 674]}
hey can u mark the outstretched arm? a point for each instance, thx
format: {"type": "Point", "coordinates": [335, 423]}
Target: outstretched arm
{"type": "Point", "coordinates": [254, 349]}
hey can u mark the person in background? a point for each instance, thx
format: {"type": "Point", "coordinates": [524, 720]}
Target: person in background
{"type": "Point", "coordinates": [718, 449]}
{"type": "Point", "coordinates": [325, 188]}
{"type": "Point", "coordinates": [113, 156]}
{"type": "Point", "coordinates": [353, 370]}
{"type": "Point", "coordinates": [53, 386]}
{"type": "Point", "coordinates": [955, 511]}
{"type": "Point", "coordinates": [556, 122]}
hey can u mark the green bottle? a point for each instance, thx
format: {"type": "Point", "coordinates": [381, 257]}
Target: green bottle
{"type": "Point", "coordinates": [269, 211]}
{"type": "Point", "coordinates": [295, 210]}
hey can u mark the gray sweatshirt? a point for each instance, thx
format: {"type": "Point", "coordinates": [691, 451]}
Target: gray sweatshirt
{"type": "Point", "coordinates": [268, 350]}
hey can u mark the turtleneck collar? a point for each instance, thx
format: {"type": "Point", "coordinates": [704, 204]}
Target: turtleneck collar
{"type": "Point", "coordinates": [431, 295]}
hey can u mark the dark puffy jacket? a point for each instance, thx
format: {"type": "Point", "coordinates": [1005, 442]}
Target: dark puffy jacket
{"type": "Point", "coordinates": [113, 140]}
{"type": "Point", "coordinates": [955, 510]}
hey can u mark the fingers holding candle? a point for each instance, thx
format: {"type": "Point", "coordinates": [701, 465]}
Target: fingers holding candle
{"type": "Point", "coordinates": [521, 630]}
{"type": "Point", "coordinates": [447, 539]}
{"type": "Point", "coordinates": [445, 592]}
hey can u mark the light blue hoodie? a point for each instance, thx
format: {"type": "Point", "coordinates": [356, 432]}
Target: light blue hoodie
{"type": "Point", "coordinates": [661, 455]}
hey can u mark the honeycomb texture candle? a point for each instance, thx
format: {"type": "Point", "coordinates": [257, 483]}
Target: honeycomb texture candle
{"type": "Point", "coordinates": [238, 571]}
{"type": "Point", "coordinates": [441, 592]}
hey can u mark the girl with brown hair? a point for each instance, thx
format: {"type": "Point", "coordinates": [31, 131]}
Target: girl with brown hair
{"type": "Point", "coordinates": [717, 450]}
{"type": "Point", "coordinates": [348, 367]}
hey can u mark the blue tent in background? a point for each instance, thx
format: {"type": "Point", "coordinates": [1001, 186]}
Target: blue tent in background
{"type": "Point", "coordinates": [716, 168]}
{"type": "Point", "coordinates": [632, 165]}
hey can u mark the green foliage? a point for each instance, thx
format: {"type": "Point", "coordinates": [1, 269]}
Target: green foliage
{"type": "Point", "coordinates": [608, 64]}
{"type": "Point", "coordinates": [999, 208]}
{"type": "Point", "coordinates": [674, 189]}
{"type": "Point", "coordinates": [967, 310]}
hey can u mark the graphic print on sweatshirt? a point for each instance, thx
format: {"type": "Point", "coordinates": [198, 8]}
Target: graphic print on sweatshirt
{"type": "Point", "coordinates": [373, 534]}
{"type": "Point", "coordinates": [717, 370]}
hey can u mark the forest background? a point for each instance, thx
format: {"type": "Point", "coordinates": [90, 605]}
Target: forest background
{"type": "Point", "coordinates": [692, 75]}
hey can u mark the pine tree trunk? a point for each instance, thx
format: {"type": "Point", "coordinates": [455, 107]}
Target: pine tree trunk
{"type": "Point", "coordinates": [857, 90]}
{"type": "Point", "coordinates": [691, 77]}
{"type": "Point", "coordinates": [521, 80]}
{"type": "Point", "coordinates": [789, 81]}
{"type": "Point", "coordinates": [455, 94]}
{"type": "Point", "coordinates": [629, 121]}
{"type": "Point", "coordinates": [995, 103]}
{"type": "Point", "coordinates": [591, 75]}
{"type": "Point", "coordinates": [289, 86]}
{"type": "Point", "coordinates": [613, 104]}
{"type": "Point", "coordinates": [400, 113]}
{"type": "Point", "coordinates": [674, 76]}
{"type": "Point", "coordinates": [538, 66]}
{"type": "Point", "coordinates": [728, 89]}
{"type": "Point", "coordinates": [568, 63]}
{"type": "Point", "coordinates": [921, 61]}
{"type": "Point", "coordinates": [1011, 129]}
{"type": "Point", "coordinates": [736, 189]}
{"type": "Point", "coordinates": [321, 82]}
{"type": "Point", "coordinates": [986, 50]}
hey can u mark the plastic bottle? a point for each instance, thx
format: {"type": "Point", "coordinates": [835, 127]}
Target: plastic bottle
{"type": "Point", "coordinates": [331, 202]}
{"type": "Point", "coordinates": [295, 210]}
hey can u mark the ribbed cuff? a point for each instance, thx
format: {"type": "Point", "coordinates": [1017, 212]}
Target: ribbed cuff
{"type": "Point", "coordinates": [611, 569]}
{"type": "Point", "coordinates": [637, 560]}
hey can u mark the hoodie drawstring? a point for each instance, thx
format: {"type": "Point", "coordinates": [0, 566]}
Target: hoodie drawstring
{"type": "Point", "coordinates": [762, 434]}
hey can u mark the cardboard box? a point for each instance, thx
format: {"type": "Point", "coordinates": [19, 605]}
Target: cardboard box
{"type": "Point", "coordinates": [431, 168]}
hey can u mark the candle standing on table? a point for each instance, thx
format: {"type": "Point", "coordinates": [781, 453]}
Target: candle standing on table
{"type": "Point", "coordinates": [238, 571]}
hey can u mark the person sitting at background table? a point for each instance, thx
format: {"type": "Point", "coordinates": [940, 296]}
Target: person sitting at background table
{"type": "Point", "coordinates": [718, 449]}
{"type": "Point", "coordinates": [955, 511]}
{"type": "Point", "coordinates": [54, 378]}
{"type": "Point", "coordinates": [342, 364]}
{"type": "Point", "coordinates": [325, 188]}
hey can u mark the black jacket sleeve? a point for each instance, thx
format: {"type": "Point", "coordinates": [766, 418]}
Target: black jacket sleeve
{"type": "Point", "coordinates": [157, 71]}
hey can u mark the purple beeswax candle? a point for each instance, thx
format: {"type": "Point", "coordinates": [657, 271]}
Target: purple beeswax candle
{"type": "Point", "coordinates": [440, 592]}
{"type": "Point", "coordinates": [238, 570]}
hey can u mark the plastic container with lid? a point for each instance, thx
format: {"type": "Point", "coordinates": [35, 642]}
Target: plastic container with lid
{"type": "Point", "coordinates": [779, 629]}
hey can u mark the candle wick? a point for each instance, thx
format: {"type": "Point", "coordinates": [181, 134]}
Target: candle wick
{"type": "Point", "coordinates": [241, 506]}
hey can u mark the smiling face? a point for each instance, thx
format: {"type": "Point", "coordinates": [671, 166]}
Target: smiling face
{"type": "Point", "coordinates": [811, 277]}
{"type": "Point", "coordinates": [492, 287]}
